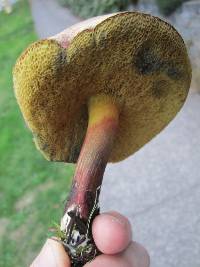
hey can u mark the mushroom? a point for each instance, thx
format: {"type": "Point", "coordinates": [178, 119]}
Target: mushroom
{"type": "Point", "coordinates": [96, 93]}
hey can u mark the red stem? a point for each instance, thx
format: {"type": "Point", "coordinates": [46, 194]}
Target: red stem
{"type": "Point", "coordinates": [102, 126]}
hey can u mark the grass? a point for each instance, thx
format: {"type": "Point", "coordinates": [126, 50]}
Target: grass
{"type": "Point", "coordinates": [168, 7]}
{"type": "Point", "coordinates": [90, 8]}
{"type": "Point", "coordinates": [32, 190]}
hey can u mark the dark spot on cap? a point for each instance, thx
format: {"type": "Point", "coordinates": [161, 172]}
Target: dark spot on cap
{"type": "Point", "coordinates": [146, 61]}
{"type": "Point", "coordinates": [44, 147]}
{"type": "Point", "coordinates": [160, 89]}
{"type": "Point", "coordinates": [172, 71]}
{"type": "Point", "coordinates": [60, 62]}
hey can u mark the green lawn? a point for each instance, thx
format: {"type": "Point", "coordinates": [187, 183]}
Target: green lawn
{"type": "Point", "coordinates": [32, 190]}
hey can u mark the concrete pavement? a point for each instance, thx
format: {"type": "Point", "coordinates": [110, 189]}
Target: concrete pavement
{"type": "Point", "coordinates": [50, 18]}
{"type": "Point", "coordinates": [159, 187]}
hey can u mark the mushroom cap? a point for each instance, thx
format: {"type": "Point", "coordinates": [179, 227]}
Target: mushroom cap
{"type": "Point", "coordinates": [137, 59]}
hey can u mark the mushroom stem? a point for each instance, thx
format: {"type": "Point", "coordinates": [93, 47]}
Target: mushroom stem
{"type": "Point", "coordinates": [82, 204]}
{"type": "Point", "coordinates": [94, 155]}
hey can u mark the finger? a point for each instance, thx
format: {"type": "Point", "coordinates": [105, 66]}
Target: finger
{"type": "Point", "coordinates": [134, 256]}
{"type": "Point", "coordinates": [111, 232]}
{"type": "Point", "coordinates": [108, 261]}
{"type": "Point", "coordinates": [52, 255]}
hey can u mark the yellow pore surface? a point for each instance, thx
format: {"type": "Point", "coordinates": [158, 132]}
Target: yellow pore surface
{"type": "Point", "coordinates": [138, 60]}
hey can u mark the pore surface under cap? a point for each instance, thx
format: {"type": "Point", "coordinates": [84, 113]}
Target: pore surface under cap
{"type": "Point", "coordinates": [137, 59]}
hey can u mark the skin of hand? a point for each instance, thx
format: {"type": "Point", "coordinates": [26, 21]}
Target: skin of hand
{"type": "Point", "coordinates": [113, 237]}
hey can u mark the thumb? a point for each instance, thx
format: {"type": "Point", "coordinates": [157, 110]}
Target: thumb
{"type": "Point", "coordinates": [52, 255]}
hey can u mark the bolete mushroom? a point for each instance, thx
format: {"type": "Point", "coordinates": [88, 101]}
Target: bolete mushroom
{"type": "Point", "coordinates": [96, 93]}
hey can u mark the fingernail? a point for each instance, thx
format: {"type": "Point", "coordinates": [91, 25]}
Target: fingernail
{"type": "Point", "coordinates": [118, 218]}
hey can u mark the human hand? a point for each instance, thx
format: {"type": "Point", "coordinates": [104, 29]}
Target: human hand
{"type": "Point", "coordinates": [112, 235]}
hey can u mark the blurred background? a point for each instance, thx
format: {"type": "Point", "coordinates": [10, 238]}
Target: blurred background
{"type": "Point", "coordinates": [158, 188]}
